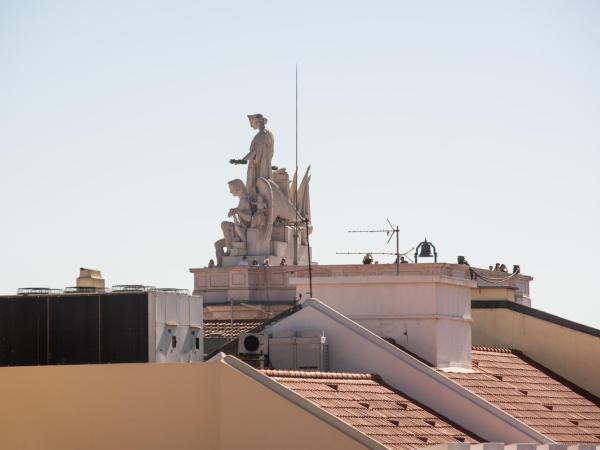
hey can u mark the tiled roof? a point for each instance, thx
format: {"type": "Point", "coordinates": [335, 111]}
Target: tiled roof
{"type": "Point", "coordinates": [223, 327]}
{"type": "Point", "coordinates": [366, 403]}
{"type": "Point", "coordinates": [533, 395]}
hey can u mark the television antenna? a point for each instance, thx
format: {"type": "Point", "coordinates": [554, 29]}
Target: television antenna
{"type": "Point", "coordinates": [390, 232]}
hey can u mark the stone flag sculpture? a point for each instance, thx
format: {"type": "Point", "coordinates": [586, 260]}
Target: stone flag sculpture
{"type": "Point", "coordinates": [271, 217]}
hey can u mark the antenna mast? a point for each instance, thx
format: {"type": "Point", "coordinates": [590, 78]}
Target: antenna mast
{"type": "Point", "coordinates": [296, 179]}
{"type": "Point", "coordinates": [391, 232]}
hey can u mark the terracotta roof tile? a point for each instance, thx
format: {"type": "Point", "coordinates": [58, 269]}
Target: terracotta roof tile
{"type": "Point", "coordinates": [365, 402]}
{"type": "Point", "coordinates": [533, 394]}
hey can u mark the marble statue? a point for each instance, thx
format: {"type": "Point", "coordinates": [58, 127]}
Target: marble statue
{"type": "Point", "coordinates": [304, 195]}
{"type": "Point", "coordinates": [279, 207]}
{"type": "Point", "coordinates": [266, 224]}
{"type": "Point", "coordinates": [261, 213]}
{"type": "Point", "coordinates": [242, 215]}
{"type": "Point", "coordinates": [260, 155]}
{"type": "Point", "coordinates": [242, 218]}
{"type": "Point", "coordinates": [304, 205]}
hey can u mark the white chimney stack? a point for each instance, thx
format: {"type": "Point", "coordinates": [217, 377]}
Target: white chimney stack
{"type": "Point", "coordinates": [426, 308]}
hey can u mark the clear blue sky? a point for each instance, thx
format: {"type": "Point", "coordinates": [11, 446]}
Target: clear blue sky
{"type": "Point", "coordinates": [476, 124]}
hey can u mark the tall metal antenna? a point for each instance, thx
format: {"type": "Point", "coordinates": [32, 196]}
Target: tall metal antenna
{"type": "Point", "coordinates": [309, 259]}
{"type": "Point", "coordinates": [296, 178]}
{"type": "Point", "coordinates": [391, 232]}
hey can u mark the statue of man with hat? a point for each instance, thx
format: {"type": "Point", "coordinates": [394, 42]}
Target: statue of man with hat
{"type": "Point", "coordinates": [261, 153]}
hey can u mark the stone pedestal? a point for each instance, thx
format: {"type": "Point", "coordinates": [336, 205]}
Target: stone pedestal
{"type": "Point", "coordinates": [281, 246]}
{"type": "Point", "coordinates": [245, 284]}
{"type": "Point", "coordinates": [255, 245]}
{"type": "Point", "coordinates": [238, 249]}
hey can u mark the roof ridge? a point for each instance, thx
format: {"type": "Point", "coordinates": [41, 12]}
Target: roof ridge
{"type": "Point", "coordinates": [320, 375]}
{"type": "Point", "coordinates": [481, 348]}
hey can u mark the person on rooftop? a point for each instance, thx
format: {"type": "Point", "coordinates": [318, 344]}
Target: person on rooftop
{"type": "Point", "coordinates": [243, 261]}
{"type": "Point", "coordinates": [254, 262]}
{"type": "Point", "coordinates": [503, 268]}
{"type": "Point", "coordinates": [211, 264]}
{"type": "Point", "coordinates": [497, 267]}
{"type": "Point", "coordinates": [368, 259]}
{"type": "Point", "coordinates": [266, 262]}
{"type": "Point", "coordinates": [283, 262]}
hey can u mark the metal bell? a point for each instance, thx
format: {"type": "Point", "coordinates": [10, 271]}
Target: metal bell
{"type": "Point", "coordinates": [425, 250]}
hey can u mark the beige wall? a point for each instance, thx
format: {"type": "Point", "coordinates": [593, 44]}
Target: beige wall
{"type": "Point", "coordinates": [121, 406]}
{"type": "Point", "coordinates": [152, 406]}
{"type": "Point", "coordinates": [572, 354]}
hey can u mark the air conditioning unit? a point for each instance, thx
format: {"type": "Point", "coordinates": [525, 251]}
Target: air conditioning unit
{"type": "Point", "coordinates": [253, 344]}
{"type": "Point", "coordinates": [299, 353]}
{"type": "Point", "coordinates": [312, 353]}
{"type": "Point", "coordinates": [282, 353]}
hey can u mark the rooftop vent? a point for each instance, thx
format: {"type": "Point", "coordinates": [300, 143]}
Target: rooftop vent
{"type": "Point", "coordinates": [132, 288]}
{"type": "Point", "coordinates": [89, 278]}
{"type": "Point", "coordinates": [394, 422]}
{"type": "Point", "coordinates": [37, 291]}
{"type": "Point", "coordinates": [85, 290]}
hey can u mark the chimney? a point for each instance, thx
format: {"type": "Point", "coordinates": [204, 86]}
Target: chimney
{"type": "Point", "coordinates": [90, 278]}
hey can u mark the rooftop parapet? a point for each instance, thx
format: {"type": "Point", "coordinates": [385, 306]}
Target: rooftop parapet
{"type": "Point", "coordinates": [493, 279]}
